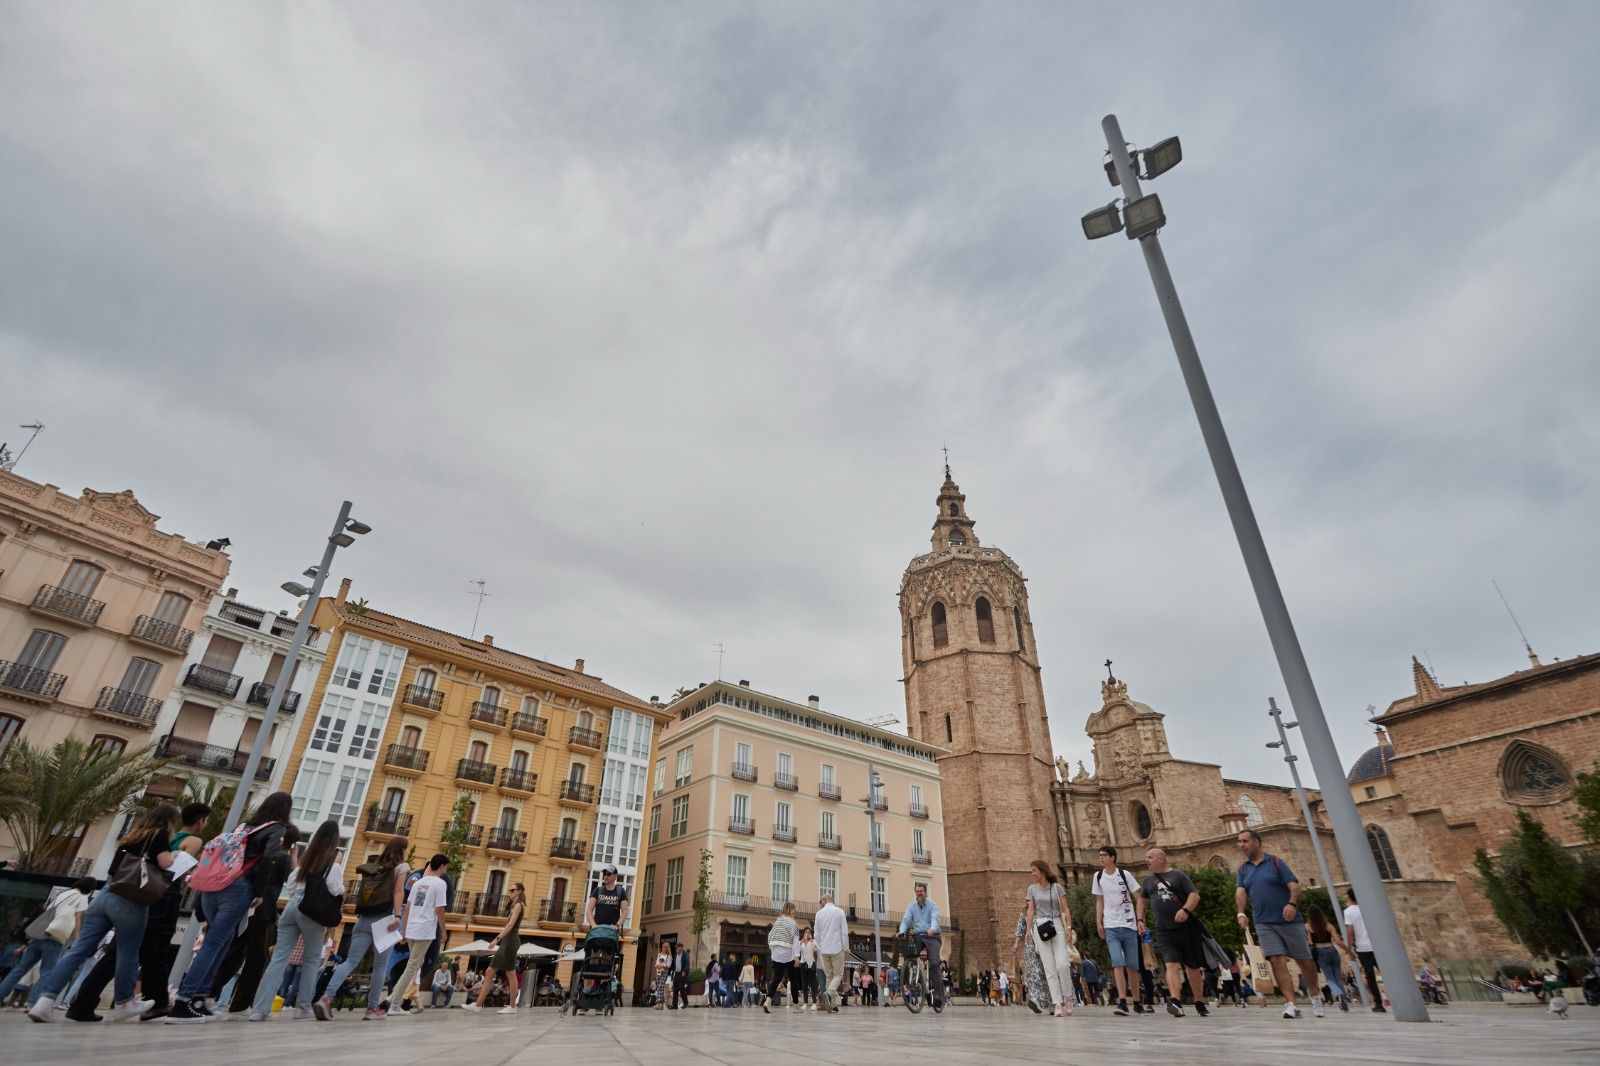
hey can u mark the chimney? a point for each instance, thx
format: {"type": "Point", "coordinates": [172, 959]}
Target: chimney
{"type": "Point", "coordinates": [578, 666]}
{"type": "Point", "coordinates": [744, 684]}
{"type": "Point", "coordinates": [488, 638]}
{"type": "Point", "coordinates": [230, 594]}
{"type": "Point", "coordinates": [814, 701]}
{"type": "Point", "coordinates": [344, 590]}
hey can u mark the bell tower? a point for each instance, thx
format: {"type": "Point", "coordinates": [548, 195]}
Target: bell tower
{"type": "Point", "coordinates": [973, 688]}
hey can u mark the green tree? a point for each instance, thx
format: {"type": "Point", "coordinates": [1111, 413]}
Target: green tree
{"type": "Point", "coordinates": [1080, 904]}
{"type": "Point", "coordinates": [701, 919]}
{"type": "Point", "coordinates": [1217, 909]}
{"type": "Point", "coordinates": [1587, 797]}
{"type": "Point", "coordinates": [214, 794]}
{"type": "Point", "coordinates": [47, 795]}
{"type": "Point", "coordinates": [1540, 891]}
{"type": "Point", "coordinates": [453, 841]}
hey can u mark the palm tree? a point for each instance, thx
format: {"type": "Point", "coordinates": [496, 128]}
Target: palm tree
{"type": "Point", "coordinates": [214, 794]}
{"type": "Point", "coordinates": [48, 795]}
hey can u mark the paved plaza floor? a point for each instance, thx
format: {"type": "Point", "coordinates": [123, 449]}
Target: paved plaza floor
{"type": "Point", "coordinates": [966, 1033]}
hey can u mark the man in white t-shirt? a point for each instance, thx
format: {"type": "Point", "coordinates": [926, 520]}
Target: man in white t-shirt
{"type": "Point", "coordinates": [1119, 914]}
{"type": "Point", "coordinates": [1359, 942]}
{"type": "Point", "coordinates": [423, 918]}
{"type": "Point", "coordinates": [832, 931]}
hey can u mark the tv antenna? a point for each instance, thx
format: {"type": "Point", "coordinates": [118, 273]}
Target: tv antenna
{"type": "Point", "coordinates": [482, 595]}
{"type": "Point", "coordinates": [9, 461]}
{"type": "Point", "coordinates": [883, 721]}
{"type": "Point", "coordinates": [720, 650]}
{"type": "Point", "coordinates": [1532, 658]}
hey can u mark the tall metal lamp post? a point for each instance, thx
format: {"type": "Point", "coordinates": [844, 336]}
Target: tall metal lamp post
{"type": "Point", "coordinates": [874, 783]}
{"type": "Point", "coordinates": [1305, 808]}
{"type": "Point", "coordinates": [1142, 217]}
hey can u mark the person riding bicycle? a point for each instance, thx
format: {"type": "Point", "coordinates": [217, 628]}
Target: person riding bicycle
{"type": "Point", "coordinates": [922, 922]}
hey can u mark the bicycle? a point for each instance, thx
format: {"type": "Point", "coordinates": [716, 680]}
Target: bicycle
{"type": "Point", "coordinates": [914, 978]}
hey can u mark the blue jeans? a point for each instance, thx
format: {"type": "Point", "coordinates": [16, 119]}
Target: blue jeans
{"type": "Point", "coordinates": [360, 944]}
{"type": "Point", "coordinates": [1327, 957]}
{"type": "Point", "coordinates": [106, 912]}
{"type": "Point", "coordinates": [292, 927]}
{"type": "Point", "coordinates": [43, 951]}
{"type": "Point", "coordinates": [223, 911]}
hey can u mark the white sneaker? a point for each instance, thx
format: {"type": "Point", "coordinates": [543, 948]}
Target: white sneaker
{"type": "Point", "coordinates": [1291, 1011]}
{"type": "Point", "coordinates": [507, 1010]}
{"type": "Point", "coordinates": [1317, 1009]}
{"type": "Point", "coordinates": [131, 1009]}
{"type": "Point", "coordinates": [43, 1009]}
{"type": "Point", "coordinates": [471, 1006]}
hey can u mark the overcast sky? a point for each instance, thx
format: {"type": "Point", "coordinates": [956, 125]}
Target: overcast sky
{"type": "Point", "coordinates": [655, 317]}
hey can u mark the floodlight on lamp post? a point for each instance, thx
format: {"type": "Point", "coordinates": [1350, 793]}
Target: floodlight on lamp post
{"type": "Point", "coordinates": [1143, 216]}
{"type": "Point", "coordinates": [1324, 754]}
{"type": "Point", "coordinates": [1102, 223]}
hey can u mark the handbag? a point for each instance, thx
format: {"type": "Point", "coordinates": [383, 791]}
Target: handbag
{"type": "Point", "coordinates": [138, 879]}
{"type": "Point", "coordinates": [1046, 930]}
{"type": "Point", "coordinates": [317, 902]}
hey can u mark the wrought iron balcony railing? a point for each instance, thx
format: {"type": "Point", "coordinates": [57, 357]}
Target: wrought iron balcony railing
{"type": "Point", "coordinates": [261, 695]}
{"type": "Point", "coordinates": [31, 681]}
{"type": "Point", "coordinates": [213, 757]}
{"type": "Point", "coordinates": [426, 697]}
{"type": "Point", "coordinates": [472, 770]}
{"type": "Point", "coordinates": [389, 823]}
{"type": "Point", "coordinates": [152, 630]}
{"type": "Point", "coordinates": [210, 679]}
{"type": "Point", "coordinates": [127, 706]}
{"type": "Point", "coordinates": [405, 758]}
{"type": "Point", "coordinates": [69, 605]}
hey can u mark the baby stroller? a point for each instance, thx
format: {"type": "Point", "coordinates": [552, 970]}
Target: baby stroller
{"type": "Point", "coordinates": [596, 978]}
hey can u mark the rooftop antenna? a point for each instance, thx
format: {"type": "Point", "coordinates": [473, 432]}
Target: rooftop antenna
{"type": "Point", "coordinates": [883, 721]}
{"type": "Point", "coordinates": [718, 646]}
{"type": "Point", "coordinates": [9, 461]}
{"type": "Point", "coordinates": [1532, 658]}
{"type": "Point", "coordinates": [482, 595]}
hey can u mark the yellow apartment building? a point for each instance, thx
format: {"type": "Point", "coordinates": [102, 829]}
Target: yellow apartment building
{"type": "Point", "coordinates": [776, 791]}
{"type": "Point", "coordinates": [97, 611]}
{"type": "Point", "coordinates": [406, 719]}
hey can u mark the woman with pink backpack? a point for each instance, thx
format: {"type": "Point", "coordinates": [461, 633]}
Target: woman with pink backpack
{"type": "Point", "coordinates": [227, 880]}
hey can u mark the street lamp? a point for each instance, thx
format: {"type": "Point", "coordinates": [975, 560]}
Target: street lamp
{"type": "Point", "coordinates": [874, 783]}
{"type": "Point", "coordinates": [1305, 808]}
{"type": "Point", "coordinates": [1324, 754]}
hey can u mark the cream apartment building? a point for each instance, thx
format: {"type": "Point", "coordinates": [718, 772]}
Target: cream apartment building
{"type": "Point", "coordinates": [775, 791]}
{"type": "Point", "coordinates": [98, 609]}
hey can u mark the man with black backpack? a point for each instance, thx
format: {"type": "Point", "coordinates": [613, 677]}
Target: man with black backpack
{"type": "Point", "coordinates": [1119, 913]}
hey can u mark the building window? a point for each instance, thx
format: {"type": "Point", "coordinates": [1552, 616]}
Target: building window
{"type": "Point", "coordinates": [685, 767]}
{"type": "Point", "coordinates": [139, 676]}
{"type": "Point", "coordinates": [39, 653]}
{"type": "Point", "coordinates": [916, 796]}
{"type": "Point", "coordinates": [605, 839]}
{"type": "Point", "coordinates": [643, 729]}
{"type": "Point", "coordinates": [426, 681]}
{"type": "Point", "coordinates": [954, 510]}
{"type": "Point", "coordinates": [1219, 863]}
{"type": "Point", "coordinates": [655, 823]}
{"type": "Point", "coordinates": [985, 621]}
{"type": "Point", "coordinates": [628, 843]}
{"type": "Point", "coordinates": [105, 742]}
{"type": "Point", "coordinates": [352, 667]}
{"type": "Point", "coordinates": [491, 696]}
{"type": "Point", "coordinates": [738, 877]}
{"type": "Point", "coordinates": [949, 733]}
{"type": "Point", "coordinates": [741, 806]}
{"type": "Point", "coordinates": [309, 785]}
{"type": "Point", "coordinates": [827, 825]}
{"type": "Point", "coordinates": [680, 817]}
{"type": "Point", "coordinates": [1531, 772]}
{"type": "Point", "coordinates": [780, 821]}
{"type": "Point", "coordinates": [957, 538]}
{"type": "Point", "coordinates": [633, 799]}
{"type": "Point", "coordinates": [1252, 811]}
{"type": "Point", "coordinates": [880, 896]}
{"type": "Point", "coordinates": [328, 734]}
{"type": "Point", "coordinates": [1016, 623]}
{"type": "Point", "coordinates": [1142, 826]}
{"type": "Point", "coordinates": [741, 756]}
{"type": "Point", "coordinates": [1382, 853]}
{"type": "Point", "coordinates": [649, 890]}
{"type": "Point", "coordinates": [368, 731]}
{"type": "Point", "coordinates": [941, 632]}
{"type": "Point", "coordinates": [82, 578]}
{"type": "Point", "coordinates": [827, 881]}
{"type": "Point", "coordinates": [827, 775]}
{"type": "Point", "coordinates": [394, 802]}
{"type": "Point", "coordinates": [661, 776]}
{"type": "Point", "coordinates": [781, 872]}
{"type": "Point", "coordinates": [1372, 792]}
{"type": "Point", "coordinates": [346, 805]}
{"type": "Point", "coordinates": [611, 783]}
{"type": "Point", "coordinates": [10, 726]}
{"type": "Point", "coordinates": [585, 720]}
{"type": "Point", "coordinates": [674, 890]}
{"type": "Point", "coordinates": [918, 843]}
{"type": "Point", "coordinates": [173, 608]}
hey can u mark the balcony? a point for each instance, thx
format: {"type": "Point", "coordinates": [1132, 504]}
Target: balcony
{"type": "Point", "coordinates": [529, 725]}
{"type": "Point", "coordinates": [120, 705]}
{"type": "Point", "coordinates": [470, 771]}
{"type": "Point", "coordinates": [579, 737]}
{"type": "Point", "coordinates": [576, 792]}
{"type": "Point", "coordinates": [213, 757]}
{"type": "Point", "coordinates": [879, 803]}
{"type": "Point", "coordinates": [210, 679]}
{"type": "Point", "coordinates": [569, 849]}
{"type": "Point", "coordinates": [829, 843]}
{"type": "Point", "coordinates": [261, 695]}
{"type": "Point", "coordinates": [463, 904]}
{"type": "Point", "coordinates": [503, 839]}
{"type": "Point", "coordinates": [787, 782]}
{"type": "Point", "coordinates": [67, 606]}
{"type": "Point", "coordinates": [922, 858]}
{"type": "Point", "coordinates": [163, 636]}
{"type": "Point", "coordinates": [719, 900]}
{"type": "Point", "coordinates": [388, 823]}
{"type": "Point", "coordinates": [784, 834]}
{"type": "Point", "coordinates": [742, 826]}
{"type": "Point", "coordinates": [488, 714]}
{"type": "Point", "coordinates": [918, 810]}
{"type": "Point", "coordinates": [429, 700]}
{"type": "Point", "coordinates": [828, 791]}
{"type": "Point", "coordinates": [487, 906]}
{"type": "Point", "coordinates": [556, 912]}
{"type": "Point", "coordinates": [30, 683]}
{"type": "Point", "coordinates": [472, 839]}
{"type": "Point", "coordinates": [743, 771]}
{"type": "Point", "coordinates": [513, 780]}
{"type": "Point", "coordinates": [409, 762]}
{"type": "Point", "coordinates": [881, 851]}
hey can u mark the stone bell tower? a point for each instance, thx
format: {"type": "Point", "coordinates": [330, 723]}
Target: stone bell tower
{"type": "Point", "coordinates": [973, 687]}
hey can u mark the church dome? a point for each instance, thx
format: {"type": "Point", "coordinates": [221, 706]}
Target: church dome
{"type": "Point", "coordinates": [1374, 762]}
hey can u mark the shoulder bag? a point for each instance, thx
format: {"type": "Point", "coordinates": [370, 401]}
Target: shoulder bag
{"type": "Point", "coordinates": [317, 902]}
{"type": "Point", "coordinates": [139, 879]}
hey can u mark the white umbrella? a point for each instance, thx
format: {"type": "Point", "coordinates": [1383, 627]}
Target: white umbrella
{"type": "Point", "coordinates": [475, 947]}
{"type": "Point", "coordinates": [576, 956]}
{"type": "Point", "coordinates": [536, 951]}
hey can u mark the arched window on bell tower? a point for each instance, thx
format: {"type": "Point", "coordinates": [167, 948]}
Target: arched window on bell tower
{"type": "Point", "coordinates": [985, 621]}
{"type": "Point", "coordinates": [955, 510]}
{"type": "Point", "coordinates": [941, 632]}
{"type": "Point", "coordinates": [949, 734]}
{"type": "Point", "coordinates": [1016, 622]}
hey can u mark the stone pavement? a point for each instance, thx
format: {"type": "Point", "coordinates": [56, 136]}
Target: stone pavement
{"type": "Point", "coordinates": [964, 1034]}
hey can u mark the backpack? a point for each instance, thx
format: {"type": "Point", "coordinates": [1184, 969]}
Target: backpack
{"type": "Point", "coordinates": [375, 890]}
{"type": "Point", "coordinates": [222, 859]}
